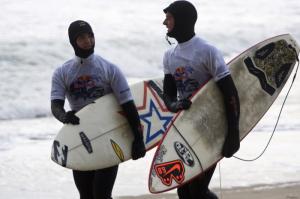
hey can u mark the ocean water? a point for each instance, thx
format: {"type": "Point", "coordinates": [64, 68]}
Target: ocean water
{"type": "Point", "coordinates": [129, 33]}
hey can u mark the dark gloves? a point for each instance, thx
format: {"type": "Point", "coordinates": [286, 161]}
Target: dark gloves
{"type": "Point", "coordinates": [70, 118]}
{"type": "Point", "coordinates": [138, 149]}
{"type": "Point", "coordinates": [57, 108]}
{"type": "Point", "coordinates": [179, 105]}
{"type": "Point", "coordinates": [231, 143]}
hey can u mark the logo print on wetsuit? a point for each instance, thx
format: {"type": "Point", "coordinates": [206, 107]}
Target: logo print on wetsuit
{"type": "Point", "coordinates": [170, 170]}
{"type": "Point", "coordinates": [185, 83]}
{"type": "Point", "coordinates": [85, 87]}
{"type": "Point", "coordinates": [183, 73]}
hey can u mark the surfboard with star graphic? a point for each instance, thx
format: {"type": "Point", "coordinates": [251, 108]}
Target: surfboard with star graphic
{"type": "Point", "coordinates": [104, 138]}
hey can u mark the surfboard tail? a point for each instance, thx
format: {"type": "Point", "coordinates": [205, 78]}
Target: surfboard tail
{"type": "Point", "coordinates": [174, 164]}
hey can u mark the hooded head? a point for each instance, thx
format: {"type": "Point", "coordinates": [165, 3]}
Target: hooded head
{"type": "Point", "coordinates": [75, 29]}
{"type": "Point", "coordinates": [185, 17]}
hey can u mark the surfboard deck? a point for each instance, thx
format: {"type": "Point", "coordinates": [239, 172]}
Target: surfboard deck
{"type": "Point", "coordinates": [194, 141]}
{"type": "Point", "coordinates": [104, 138]}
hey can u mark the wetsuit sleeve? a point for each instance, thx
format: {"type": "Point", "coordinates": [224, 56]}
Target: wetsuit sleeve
{"type": "Point", "coordinates": [170, 96]}
{"type": "Point", "coordinates": [57, 109]}
{"type": "Point", "coordinates": [133, 119]}
{"type": "Point", "coordinates": [170, 90]}
{"type": "Point", "coordinates": [231, 99]}
{"type": "Point", "coordinates": [232, 106]}
{"type": "Point", "coordinates": [169, 87]}
{"type": "Point", "coordinates": [138, 147]}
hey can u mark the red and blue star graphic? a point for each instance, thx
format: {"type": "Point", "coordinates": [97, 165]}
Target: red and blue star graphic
{"type": "Point", "coordinates": [154, 116]}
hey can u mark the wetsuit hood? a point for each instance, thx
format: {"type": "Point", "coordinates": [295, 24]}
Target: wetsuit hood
{"type": "Point", "coordinates": [76, 28]}
{"type": "Point", "coordinates": [185, 16]}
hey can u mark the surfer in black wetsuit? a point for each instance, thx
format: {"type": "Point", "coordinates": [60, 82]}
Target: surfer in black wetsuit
{"type": "Point", "coordinates": [188, 66]}
{"type": "Point", "coordinates": [82, 80]}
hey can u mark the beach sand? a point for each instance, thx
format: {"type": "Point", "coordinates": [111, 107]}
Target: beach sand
{"type": "Point", "coordinates": [279, 191]}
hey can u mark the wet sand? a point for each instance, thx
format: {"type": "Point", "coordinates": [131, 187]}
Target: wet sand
{"type": "Point", "coordinates": [278, 191]}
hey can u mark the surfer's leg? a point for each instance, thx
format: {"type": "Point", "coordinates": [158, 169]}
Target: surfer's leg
{"type": "Point", "coordinates": [104, 182]}
{"type": "Point", "coordinates": [183, 192]}
{"type": "Point", "coordinates": [84, 183]}
{"type": "Point", "coordinates": [199, 186]}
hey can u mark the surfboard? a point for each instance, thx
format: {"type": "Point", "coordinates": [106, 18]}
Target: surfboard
{"type": "Point", "coordinates": [103, 138]}
{"type": "Point", "coordinates": [194, 141]}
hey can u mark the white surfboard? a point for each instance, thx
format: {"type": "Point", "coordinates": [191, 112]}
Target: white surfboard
{"type": "Point", "coordinates": [193, 143]}
{"type": "Point", "coordinates": [104, 138]}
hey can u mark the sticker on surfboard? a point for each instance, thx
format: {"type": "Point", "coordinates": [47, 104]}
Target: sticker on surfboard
{"type": "Point", "coordinates": [117, 150]}
{"type": "Point", "coordinates": [169, 171]}
{"type": "Point", "coordinates": [271, 64]}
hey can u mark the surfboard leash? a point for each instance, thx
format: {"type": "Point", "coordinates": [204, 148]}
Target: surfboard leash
{"type": "Point", "coordinates": [277, 121]}
{"type": "Point", "coordinates": [220, 181]}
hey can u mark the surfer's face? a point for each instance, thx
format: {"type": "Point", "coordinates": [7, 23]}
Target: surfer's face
{"type": "Point", "coordinates": [85, 41]}
{"type": "Point", "coordinates": [169, 22]}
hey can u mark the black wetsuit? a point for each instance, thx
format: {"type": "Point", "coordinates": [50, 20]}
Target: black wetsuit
{"type": "Point", "coordinates": [97, 184]}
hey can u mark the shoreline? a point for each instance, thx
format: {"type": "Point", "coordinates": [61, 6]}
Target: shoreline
{"type": "Point", "coordinates": [273, 191]}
